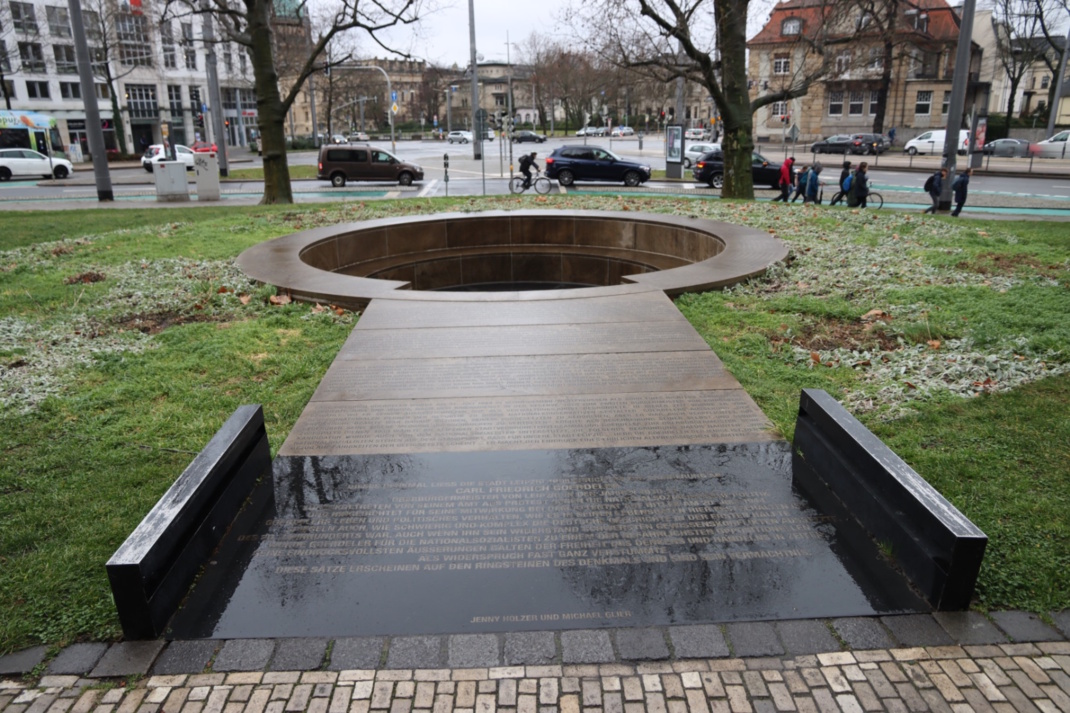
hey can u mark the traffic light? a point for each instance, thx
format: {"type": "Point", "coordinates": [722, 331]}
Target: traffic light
{"type": "Point", "coordinates": [226, 123]}
{"type": "Point", "coordinates": [672, 112]}
{"type": "Point", "coordinates": [663, 115]}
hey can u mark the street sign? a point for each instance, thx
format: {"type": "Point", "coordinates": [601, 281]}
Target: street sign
{"type": "Point", "coordinates": [793, 133]}
{"type": "Point", "coordinates": [204, 108]}
{"type": "Point", "coordinates": [394, 108]}
{"type": "Point", "coordinates": [393, 96]}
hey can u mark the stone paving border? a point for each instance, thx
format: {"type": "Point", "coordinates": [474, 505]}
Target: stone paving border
{"type": "Point", "coordinates": [1007, 677]}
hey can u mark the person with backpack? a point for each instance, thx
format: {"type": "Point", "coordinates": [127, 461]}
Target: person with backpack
{"type": "Point", "coordinates": [813, 184]}
{"type": "Point", "coordinates": [934, 186]}
{"type": "Point", "coordinates": [844, 185]}
{"type": "Point", "coordinates": [787, 176]}
{"type": "Point", "coordinates": [959, 186]}
{"type": "Point", "coordinates": [859, 187]}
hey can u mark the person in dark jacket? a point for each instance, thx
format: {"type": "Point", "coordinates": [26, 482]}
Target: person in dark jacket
{"type": "Point", "coordinates": [839, 186]}
{"type": "Point", "coordinates": [786, 177]}
{"type": "Point", "coordinates": [526, 162]}
{"type": "Point", "coordinates": [856, 197]}
{"type": "Point", "coordinates": [936, 189]}
{"type": "Point", "coordinates": [959, 186]}
{"type": "Point", "coordinates": [813, 184]}
{"type": "Point", "coordinates": [800, 183]}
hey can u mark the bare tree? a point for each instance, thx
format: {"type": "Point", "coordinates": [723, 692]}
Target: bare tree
{"type": "Point", "coordinates": [703, 41]}
{"type": "Point", "coordinates": [252, 24]}
{"type": "Point", "coordinates": [1019, 42]}
{"type": "Point", "coordinates": [1052, 15]}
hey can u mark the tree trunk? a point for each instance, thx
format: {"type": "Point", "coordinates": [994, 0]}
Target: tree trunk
{"type": "Point", "coordinates": [116, 114]}
{"type": "Point", "coordinates": [7, 97]}
{"type": "Point", "coordinates": [882, 90]}
{"type": "Point", "coordinates": [737, 114]}
{"type": "Point", "coordinates": [272, 114]}
{"type": "Point", "coordinates": [1010, 103]}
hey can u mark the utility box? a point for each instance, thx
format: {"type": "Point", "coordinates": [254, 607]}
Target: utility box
{"type": "Point", "coordinates": [207, 167]}
{"type": "Point", "coordinates": [170, 181]}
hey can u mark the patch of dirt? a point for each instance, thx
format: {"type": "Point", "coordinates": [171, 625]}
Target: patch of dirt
{"type": "Point", "coordinates": [85, 278]}
{"type": "Point", "coordinates": [997, 264]}
{"type": "Point", "coordinates": [159, 321]}
{"type": "Point", "coordinates": [834, 334]}
{"type": "Point", "coordinates": [62, 250]}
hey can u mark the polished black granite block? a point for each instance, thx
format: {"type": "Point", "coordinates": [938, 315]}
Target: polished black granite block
{"type": "Point", "coordinates": [845, 469]}
{"type": "Point", "coordinates": [152, 570]}
{"type": "Point", "coordinates": [476, 542]}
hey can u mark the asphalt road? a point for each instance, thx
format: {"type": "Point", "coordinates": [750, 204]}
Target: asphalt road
{"type": "Point", "coordinates": [899, 177]}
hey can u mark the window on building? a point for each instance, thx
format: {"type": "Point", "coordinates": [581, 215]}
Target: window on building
{"type": "Point", "coordinates": [864, 20]}
{"type": "Point", "coordinates": [65, 61]}
{"type": "Point", "coordinates": [37, 90]}
{"type": "Point", "coordinates": [195, 100]}
{"type": "Point", "coordinates": [174, 101]}
{"type": "Point", "coordinates": [1045, 81]}
{"type": "Point", "coordinates": [778, 110]}
{"type": "Point", "coordinates": [230, 98]}
{"type": "Point", "coordinates": [242, 67]}
{"type": "Point", "coordinates": [873, 99]}
{"type": "Point", "coordinates": [167, 39]}
{"type": "Point", "coordinates": [228, 60]}
{"type": "Point", "coordinates": [70, 90]}
{"type": "Point", "coordinates": [23, 17]}
{"type": "Point", "coordinates": [31, 57]}
{"type": "Point", "coordinates": [856, 103]}
{"type": "Point", "coordinates": [7, 89]}
{"type": "Point", "coordinates": [946, 103]}
{"type": "Point", "coordinates": [102, 91]}
{"type": "Point", "coordinates": [187, 45]}
{"type": "Point", "coordinates": [59, 21]}
{"type": "Point", "coordinates": [835, 103]}
{"type": "Point", "coordinates": [791, 26]}
{"type": "Point", "coordinates": [132, 32]}
{"type": "Point", "coordinates": [781, 64]}
{"type": "Point", "coordinates": [141, 101]}
{"type": "Point", "coordinates": [876, 59]}
{"type": "Point", "coordinates": [499, 100]}
{"type": "Point", "coordinates": [91, 20]}
{"type": "Point", "coordinates": [923, 104]}
{"type": "Point", "coordinates": [843, 62]}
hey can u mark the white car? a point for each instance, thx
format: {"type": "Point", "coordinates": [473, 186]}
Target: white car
{"type": "Point", "coordinates": [463, 137]}
{"type": "Point", "coordinates": [26, 162]}
{"type": "Point", "coordinates": [157, 154]}
{"type": "Point", "coordinates": [1057, 146]}
{"type": "Point", "coordinates": [694, 151]}
{"type": "Point", "coordinates": [358, 136]}
{"type": "Point", "coordinates": [696, 134]}
{"type": "Point", "coordinates": [622, 131]}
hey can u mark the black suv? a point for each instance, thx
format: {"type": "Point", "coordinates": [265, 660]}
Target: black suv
{"type": "Point", "coordinates": [710, 169]}
{"type": "Point", "coordinates": [592, 163]}
{"type": "Point", "coordinates": [873, 144]}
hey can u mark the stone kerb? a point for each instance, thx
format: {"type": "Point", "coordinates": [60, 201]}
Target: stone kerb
{"type": "Point", "coordinates": [401, 258]}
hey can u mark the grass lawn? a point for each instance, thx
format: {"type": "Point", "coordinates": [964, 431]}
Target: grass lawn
{"type": "Point", "coordinates": [127, 338]}
{"type": "Point", "coordinates": [257, 174]}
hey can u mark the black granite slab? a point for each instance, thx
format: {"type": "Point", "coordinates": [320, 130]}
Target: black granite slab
{"type": "Point", "coordinates": [533, 540]}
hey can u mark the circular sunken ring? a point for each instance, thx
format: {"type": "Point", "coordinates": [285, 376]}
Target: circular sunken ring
{"type": "Point", "coordinates": [410, 257]}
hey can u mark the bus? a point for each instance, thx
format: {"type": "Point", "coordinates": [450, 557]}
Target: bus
{"type": "Point", "coordinates": [30, 130]}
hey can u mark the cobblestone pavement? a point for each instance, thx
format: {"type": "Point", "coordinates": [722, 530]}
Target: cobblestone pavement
{"type": "Point", "coordinates": [854, 664]}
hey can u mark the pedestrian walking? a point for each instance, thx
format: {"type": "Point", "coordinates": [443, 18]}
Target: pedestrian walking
{"type": "Point", "coordinates": [800, 186]}
{"type": "Point", "coordinates": [891, 136]}
{"type": "Point", "coordinates": [813, 184]}
{"type": "Point", "coordinates": [959, 186]}
{"type": "Point", "coordinates": [856, 197]}
{"type": "Point", "coordinates": [935, 186]}
{"type": "Point", "coordinates": [786, 178]}
{"type": "Point", "coordinates": [840, 190]}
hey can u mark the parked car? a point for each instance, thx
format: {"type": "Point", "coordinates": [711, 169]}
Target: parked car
{"type": "Point", "coordinates": [26, 162]}
{"type": "Point", "coordinates": [1057, 146]}
{"type": "Point", "coordinates": [932, 142]}
{"type": "Point", "coordinates": [522, 137]}
{"type": "Point", "coordinates": [592, 163]}
{"type": "Point", "coordinates": [622, 131]}
{"type": "Point", "coordinates": [695, 151]}
{"type": "Point", "coordinates": [873, 144]}
{"type": "Point", "coordinates": [709, 169]}
{"type": "Point", "coordinates": [203, 147]}
{"type": "Point", "coordinates": [358, 136]}
{"type": "Point", "coordinates": [339, 164]}
{"type": "Point", "coordinates": [839, 143]}
{"type": "Point", "coordinates": [1017, 148]}
{"type": "Point", "coordinates": [462, 137]}
{"type": "Point", "coordinates": [695, 134]}
{"type": "Point", "coordinates": [157, 154]}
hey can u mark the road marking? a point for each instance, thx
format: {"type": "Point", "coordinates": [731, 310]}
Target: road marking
{"type": "Point", "coordinates": [428, 188]}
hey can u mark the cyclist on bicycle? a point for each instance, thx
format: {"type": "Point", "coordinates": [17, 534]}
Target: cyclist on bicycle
{"type": "Point", "coordinates": [526, 162]}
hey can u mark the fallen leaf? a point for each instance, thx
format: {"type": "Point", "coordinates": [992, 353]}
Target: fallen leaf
{"type": "Point", "coordinates": [934, 343]}
{"type": "Point", "coordinates": [224, 290]}
{"type": "Point", "coordinates": [318, 308]}
{"type": "Point", "coordinates": [283, 299]}
{"type": "Point", "coordinates": [244, 299]}
{"type": "Point", "coordinates": [875, 314]}
{"type": "Point", "coordinates": [815, 357]}
{"type": "Point", "coordinates": [910, 384]}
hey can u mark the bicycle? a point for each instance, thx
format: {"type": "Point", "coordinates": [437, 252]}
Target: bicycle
{"type": "Point", "coordinates": [540, 183]}
{"type": "Point", "coordinates": [873, 200]}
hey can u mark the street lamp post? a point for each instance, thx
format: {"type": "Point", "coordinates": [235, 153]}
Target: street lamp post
{"type": "Point", "coordinates": [477, 143]}
{"type": "Point", "coordinates": [957, 102]}
{"type": "Point", "coordinates": [389, 93]}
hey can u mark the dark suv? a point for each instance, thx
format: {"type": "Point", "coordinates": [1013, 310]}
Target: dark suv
{"type": "Point", "coordinates": [348, 162]}
{"type": "Point", "coordinates": [709, 169]}
{"type": "Point", "coordinates": [873, 144]}
{"type": "Point", "coordinates": [591, 163]}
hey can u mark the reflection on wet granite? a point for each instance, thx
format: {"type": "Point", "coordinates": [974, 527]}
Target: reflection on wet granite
{"type": "Point", "coordinates": [551, 539]}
